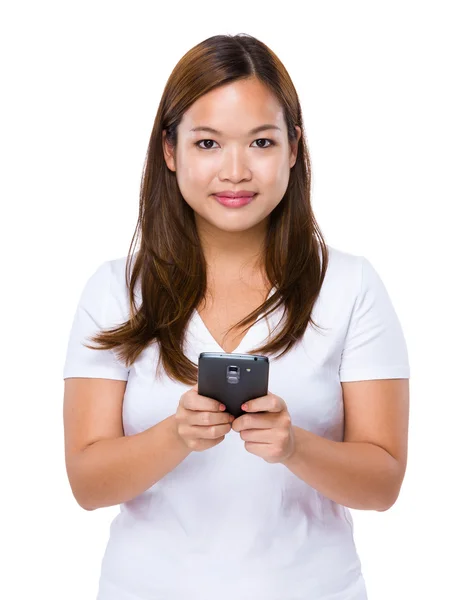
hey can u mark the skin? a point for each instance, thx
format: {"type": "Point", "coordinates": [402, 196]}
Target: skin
{"type": "Point", "coordinates": [232, 238]}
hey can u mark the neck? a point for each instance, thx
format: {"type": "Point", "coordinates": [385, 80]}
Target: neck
{"type": "Point", "coordinates": [233, 254]}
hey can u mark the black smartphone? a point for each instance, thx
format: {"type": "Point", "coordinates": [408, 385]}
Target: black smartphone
{"type": "Point", "coordinates": [232, 379]}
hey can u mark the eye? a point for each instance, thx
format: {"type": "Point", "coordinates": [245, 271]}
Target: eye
{"type": "Point", "coordinates": [272, 143]}
{"type": "Point", "coordinates": [197, 144]}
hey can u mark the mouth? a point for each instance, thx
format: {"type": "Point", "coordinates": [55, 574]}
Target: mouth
{"type": "Point", "coordinates": [235, 202]}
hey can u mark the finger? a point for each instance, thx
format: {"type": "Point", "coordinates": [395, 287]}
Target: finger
{"type": "Point", "coordinates": [210, 431]}
{"type": "Point", "coordinates": [197, 402]}
{"type": "Point", "coordinates": [208, 418]}
{"type": "Point", "coordinates": [260, 436]}
{"type": "Point", "coordinates": [255, 421]}
{"type": "Point", "coordinates": [268, 403]}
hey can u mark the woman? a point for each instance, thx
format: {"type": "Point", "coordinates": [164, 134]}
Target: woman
{"type": "Point", "coordinates": [212, 507]}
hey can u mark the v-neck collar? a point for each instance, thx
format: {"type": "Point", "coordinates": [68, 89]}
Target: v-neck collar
{"type": "Point", "coordinates": [251, 339]}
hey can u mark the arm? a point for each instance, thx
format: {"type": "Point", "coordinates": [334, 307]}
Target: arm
{"type": "Point", "coordinates": [366, 470]}
{"type": "Point", "coordinates": [358, 475]}
{"type": "Point", "coordinates": [112, 471]}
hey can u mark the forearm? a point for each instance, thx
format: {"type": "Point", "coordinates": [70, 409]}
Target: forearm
{"type": "Point", "coordinates": [358, 475]}
{"type": "Point", "coordinates": [113, 471]}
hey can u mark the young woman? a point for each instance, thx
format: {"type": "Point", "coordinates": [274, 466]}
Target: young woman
{"type": "Point", "coordinates": [231, 259]}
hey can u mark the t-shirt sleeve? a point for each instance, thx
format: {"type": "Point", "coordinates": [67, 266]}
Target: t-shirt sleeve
{"type": "Point", "coordinates": [374, 347]}
{"type": "Point", "coordinates": [96, 310]}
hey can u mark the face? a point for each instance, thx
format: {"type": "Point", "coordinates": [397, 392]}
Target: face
{"type": "Point", "coordinates": [207, 163]}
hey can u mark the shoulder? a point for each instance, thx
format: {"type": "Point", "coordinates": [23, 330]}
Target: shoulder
{"type": "Point", "coordinates": [115, 270]}
{"type": "Point", "coordinates": [342, 261]}
{"type": "Point", "coordinates": [344, 273]}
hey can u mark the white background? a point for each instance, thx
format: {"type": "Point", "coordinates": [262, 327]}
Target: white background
{"type": "Point", "coordinates": [385, 93]}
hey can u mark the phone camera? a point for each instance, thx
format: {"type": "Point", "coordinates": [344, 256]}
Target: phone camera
{"type": "Point", "coordinates": [233, 374]}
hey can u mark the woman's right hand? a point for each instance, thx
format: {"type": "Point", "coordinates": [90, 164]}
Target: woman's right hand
{"type": "Point", "coordinates": [201, 424]}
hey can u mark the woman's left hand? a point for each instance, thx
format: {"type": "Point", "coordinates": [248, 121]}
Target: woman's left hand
{"type": "Point", "coordinates": [268, 434]}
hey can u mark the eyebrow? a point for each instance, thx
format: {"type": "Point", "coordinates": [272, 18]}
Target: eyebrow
{"type": "Point", "coordinates": [251, 132]}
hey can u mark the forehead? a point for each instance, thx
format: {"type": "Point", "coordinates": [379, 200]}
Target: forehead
{"type": "Point", "coordinates": [235, 108]}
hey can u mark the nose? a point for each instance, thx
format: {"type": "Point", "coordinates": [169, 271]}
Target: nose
{"type": "Point", "coordinates": [234, 165]}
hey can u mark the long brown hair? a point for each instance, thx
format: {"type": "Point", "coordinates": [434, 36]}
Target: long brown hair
{"type": "Point", "coordinates": [170, 263]}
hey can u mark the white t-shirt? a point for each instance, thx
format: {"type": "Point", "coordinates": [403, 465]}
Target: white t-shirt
{"type": "Point", "coordinates": [225, 523]}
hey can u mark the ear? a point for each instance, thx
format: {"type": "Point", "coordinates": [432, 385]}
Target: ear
{"type": "Point", "coordinates": [294, 146]}
{"type": "Point", "coordinates": [168, 152]}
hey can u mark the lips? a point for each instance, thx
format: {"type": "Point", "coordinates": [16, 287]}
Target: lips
{"type": "Point", "coordinates": [229, 194]}
{"type": "Point", "coordinates": [234, 202]}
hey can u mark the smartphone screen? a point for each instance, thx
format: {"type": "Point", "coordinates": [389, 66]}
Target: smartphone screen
{"type": "Point", "coordinates": [233, 378]}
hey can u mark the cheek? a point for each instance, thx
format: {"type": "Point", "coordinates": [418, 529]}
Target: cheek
{"type": "Point", "coordinates": [193, 181]}
{"type": "Point", "coordinates": [272, 172]}
{"type": "Point", "coordinates": [196, 175]}
{"type": "Point", "coordinates": [274, 182]}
